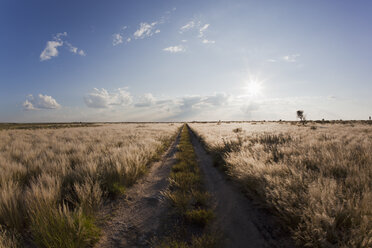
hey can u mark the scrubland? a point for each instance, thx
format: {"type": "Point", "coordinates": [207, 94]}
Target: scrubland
{"type": "Point", "coordinates": [316, 177]}
{"type": "Point", "coordinates": [52, 181]}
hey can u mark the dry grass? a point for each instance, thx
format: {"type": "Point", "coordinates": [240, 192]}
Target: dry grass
{"type": "Point", "coordinates": [52, 181]}
{"type": "Point", "coordinates": [191, 203]}
{"type": "Point", "coordinates": [317, 178]}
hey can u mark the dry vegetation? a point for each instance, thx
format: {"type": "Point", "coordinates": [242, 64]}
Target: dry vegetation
{"type": "Point", "coordinates": [190, 201]}
{"type": "Point", "coordinates": [317, 177]}
{"type": "Point", "coordinates": [52, 181]}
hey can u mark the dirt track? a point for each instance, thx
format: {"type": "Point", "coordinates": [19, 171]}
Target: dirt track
{"type": "Point", "coordinates": [135, 219]}
{"type": "Point", "coordinates": [241, 221]}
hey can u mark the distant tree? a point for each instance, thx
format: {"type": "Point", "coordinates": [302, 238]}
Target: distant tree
{"type": "Point", "coordinates": [300, 115]}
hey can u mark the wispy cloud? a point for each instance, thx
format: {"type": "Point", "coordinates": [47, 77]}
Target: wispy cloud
{"type": "Point", "coordinates": [40, 102]}
{"type": "Point", "coordinates": [74, 49]}
{"type": "Point", "coordinates": [101, 98]}
{"type": "Point", "coordinates": [175, 49]}
{"type": "Point", "coordinates": [205, 41]}
{"type": "Point", "coordinates": [187, 26]}
{"type": "Point", "coordinates": [51, 48]}
{"type": "Point", "coordinates": [200, 28]}
{"type": "Point", "coordinates": [117, 39]}
{"type": "Point", "coordinates": [145, 30]}
{"type": "Point", "coordinates": [291, 58]}
{"type": "Point", "coordinates": [203, 29]}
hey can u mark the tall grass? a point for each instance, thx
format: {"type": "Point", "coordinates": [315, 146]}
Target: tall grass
{"type": "Point", "coordinates": [7, 239]}
{"type": "Point", "coordinates": [52, 181]}
{"type": "Point", "coordinates": [318, 180]}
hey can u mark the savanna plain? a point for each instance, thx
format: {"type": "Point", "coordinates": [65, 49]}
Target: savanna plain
{"type": "Point", "coordinates": [314, 179]}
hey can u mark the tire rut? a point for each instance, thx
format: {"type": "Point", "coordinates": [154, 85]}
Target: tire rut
{"type": "Point", "coordinates": [242, 223]}
{"type": "Point", "coordinates": [136, 218]}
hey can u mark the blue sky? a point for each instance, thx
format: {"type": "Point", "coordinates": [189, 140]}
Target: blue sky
{"type": "Point", "coordinates": [184, 60]}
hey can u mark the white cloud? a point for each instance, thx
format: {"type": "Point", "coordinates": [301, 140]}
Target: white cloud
{"type": "Point", "coordinates": [81, 53]}
{"type": "Point", "coordinates": [203, 29]}
{"type": "Point", "coordinates": [200, 28]}
{"type": "Point", "coordinates": [101, 98]}
{"type": "Point", "coordinates": [146, 100]}
{"type": "Point", "coordinates": [129, 39]}
{"type": "Point", "coordinates": [187, 26]}
{"type": "Point", "coordinates": [117, 39]}
{"type": "Point", "coordinates": [74, 49]}
{"type": "Point", "coordinates": [271, 60]}
{"type": "Point", "coordinates": [27, 105]}
{"type": "Point", "coordinates": [184, 41]}
{"type": "Point", "coordinates": [59, 36]}
{"type": "Point", "coordinates": [198, 102]}
{"type": "Point", "coordinates": [145, 30]}
{"type": "Point", "coordinates": [40, 102]}
{"type": "Point", "coordinates": [50, 50]}
{"type": "Point", "coordinates": [175, 49]}
{"type": "Point", "coordinates": [205, 41]}
{"type": "Point", "coordinates": [218, 99]}
{"type": "Point", "coordinates": [157, 31]}
{"type": "Point", "coordinates": [291, 58]}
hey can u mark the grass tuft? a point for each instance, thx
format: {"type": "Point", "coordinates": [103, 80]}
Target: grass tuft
{"type": "Point", "coordinates": [200, 217]}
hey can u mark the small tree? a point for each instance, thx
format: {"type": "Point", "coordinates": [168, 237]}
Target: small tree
{"type": "Point", "coordinates": [300, 115]}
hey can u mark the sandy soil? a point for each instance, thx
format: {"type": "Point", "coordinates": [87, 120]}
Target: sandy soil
{"type": "Point", "coordinates": [243, 223]}
{"type": "Point", "coordinates": [134, 220]}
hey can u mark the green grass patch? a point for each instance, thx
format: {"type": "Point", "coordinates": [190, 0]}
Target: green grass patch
{"type": "Point", "coordinates": [63, 228]}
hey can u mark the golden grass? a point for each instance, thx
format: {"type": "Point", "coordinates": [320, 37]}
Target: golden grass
{"type": "Point", "coordinates": [52, 181]}
{"type": "Point", "coordinates": [317, 178]}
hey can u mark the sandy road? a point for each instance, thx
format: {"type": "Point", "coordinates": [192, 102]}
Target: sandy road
{"type": "Point", "coordinates": [138, 218]}
{"type": "Point", "coordinates": [242, 222]}
{"type": "Point", "coordinates": [135, 220]}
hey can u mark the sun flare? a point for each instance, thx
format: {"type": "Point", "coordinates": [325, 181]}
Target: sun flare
{"type": "Point", "coordinates": [254, 88]}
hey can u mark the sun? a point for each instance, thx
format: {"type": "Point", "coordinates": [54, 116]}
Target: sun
{"type": "Point", "coordinates": [254, 88]}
